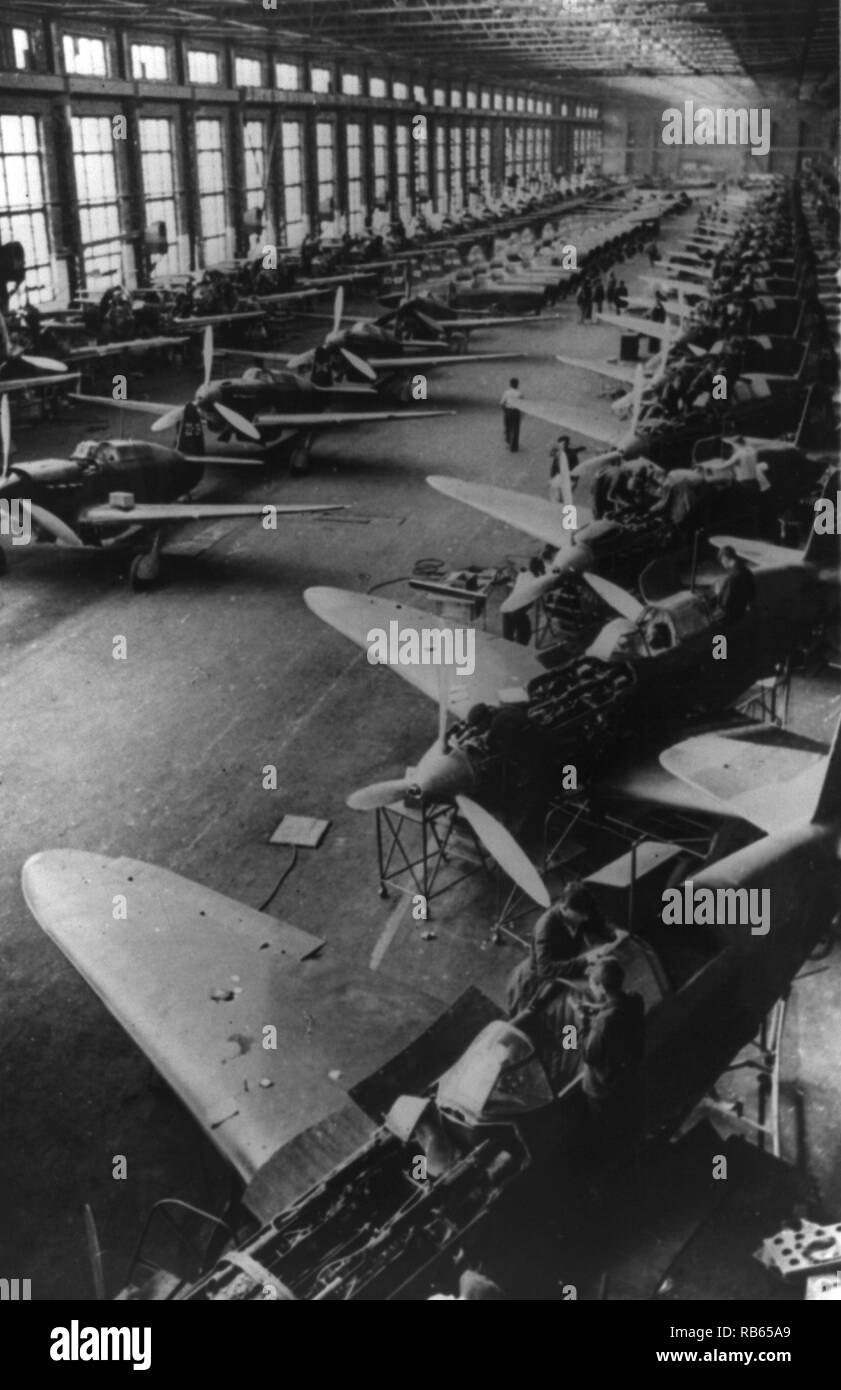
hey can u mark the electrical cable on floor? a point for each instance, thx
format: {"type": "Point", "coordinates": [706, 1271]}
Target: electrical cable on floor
{"type": "Point", "coordinates": [422, 568]}
{"type": "Point", "coordinates": [283, 877]}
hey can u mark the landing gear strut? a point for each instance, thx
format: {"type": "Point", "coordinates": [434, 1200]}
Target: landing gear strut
{"type": "Point", "coordinates": [145, 569]}
{"type": "Point", "coordinates": [299, 459]}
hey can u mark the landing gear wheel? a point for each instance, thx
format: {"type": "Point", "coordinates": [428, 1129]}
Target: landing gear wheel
{"type": "Point", "coordinates": [299, 459]}
{"type": "Point", "coordinates": [144, 571]}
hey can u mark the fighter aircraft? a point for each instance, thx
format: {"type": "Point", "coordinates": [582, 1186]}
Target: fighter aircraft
{"type": "Point", "coordinates": [111, 493]}
{"type": "Point", "coordinates": [619, 547]}
{"type": "Point", "coordinates": [480, 1096]}
{"type": "Point", "coordinates": [268, 407]}
{"type": "Point", "coordinates": [646, 669]}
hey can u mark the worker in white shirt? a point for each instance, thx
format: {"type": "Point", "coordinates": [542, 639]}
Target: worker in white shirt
{"type": "Point", "coordinates": [560, 461]}
{"type": "Point", "coordinates": [511, 414]}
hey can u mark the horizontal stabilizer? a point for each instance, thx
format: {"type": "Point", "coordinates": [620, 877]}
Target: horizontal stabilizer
{"type": "Point", "coordinates": [770, 787]}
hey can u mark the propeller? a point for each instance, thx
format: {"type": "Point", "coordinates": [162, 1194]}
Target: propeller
{"type": "Point", "coordinates": [238, 422]}
{"type": "Point", "coordinates": [44, 364]}
{"type": "Point", "coordinates": [502, 846]}
{"type": "Point", "coordinates": [207, 355]}
{"type": "Point", "coordinates": [338, 308]}
{"type": "Point", "coordinates": [304, 359]}
{"type": "Point", "coordinates": [619, 599]}
{"type": "Point", "coordinates": [5, 434]}
{"type": "Point", "coordinates": [54, 526]}
{"type": "Point", "coordinates": [360, 365]}
{"type": "Point", "coordinates": [528, 589]}
{"type": "Point", "coordinates": [379, 794]}
{"type": "Point", "coordinates": [169, 420]}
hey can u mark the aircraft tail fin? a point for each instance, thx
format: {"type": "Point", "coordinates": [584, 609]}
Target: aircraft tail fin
{"type": "Point", "coordinates": [824, 544]}
{"type": "Point", "coordinates": [829, 797]}
{"type": "Point", "coordinates": [190, 432]}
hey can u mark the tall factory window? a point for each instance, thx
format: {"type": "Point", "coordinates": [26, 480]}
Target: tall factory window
{"type": "Point", "coordinates": [420, 151]}
{"type": "Point", "coordinates": [213, 209]}
{"type": "Point", "coordinates": [456, 175]}
{"type": "Point", "coordinates": [442, 198]}
{"type": "Point", "coordinates": [485, 99]}
{"type": "Point", "coordinates": [520, 150]}
{"type": "Point", "coordinates": [160, 191]}
{"type": "Point", "coordinates": [321, 80]}
{"type": "Point", "coordinates": [498, 101]}
{"type": "Point", "coordinates": [149, 62]}
{"type": "Point", "coordinates": [355, 208]}
{"type": "Point", "coordinates": [471, 98]}
{"type": "Point", "coordinates": [98, 198]}
{"type": "Point", "coordinates": [203, 67]}
{"type": "Point", "coordinates": [248, 72]}
{"type": "Point", "coordinates": [485, 156]}
{"type": "Point", "coordinates": [287, 77]}
{"type": "Point", "coordinates": [529, 164]}
{"type": "Point", "coordinates": [404, 199]}
{"type": "Point", "coordinates": [472, 154]}
{"type": "Point", "coordinates": [325, 149]}
{"type": "Point", "coordinates": [24, 54]}
{"type": "Point", "coordinates": [293, 183]}
{"type": "Point", "coordinates": [380, 163]}
{"type": "Point", "coordinates": [439, 96]}
{"type": "Point", "coordinates": [23, 212]}
{"type": "Point", "coordinates": [85, 57]}
{"type": "Point", "coordinates": [455, 96]}
{"type": "Point", "coordinates": [255, 145]}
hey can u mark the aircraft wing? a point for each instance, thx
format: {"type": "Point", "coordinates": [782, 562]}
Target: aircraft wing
{"type": "Point", "coordinates": [195, 978]}
{"type": "Point", "coordinates": [144, 407]}
{"type": "Point", "coordinates": [281, 357]}
{"type": "Point", "coordinates": [521, 510]}
{"type": "Point", "coordinates": [616, 372]}
{"type": "Point", "coordinates": [27, 383]}
{"type": "Point", "coordinates": [218, 320]}
{"type": "Point", "coordinates": [107, 349]}
{"type": "Point", "coordinates": [762, 554]}
{"type": "Point", "coordinates": [768, 786]}
{"type": "Point", "coordinates": [289, 296]}
{"type": "Point", "coordinates": [344, 417]}
{"type": "Point", "coordinates": [570, 417]}
{"type": "Point", "coordinates": [445, 359]}
{"type": "Point", "coordinates": [501, 321]}
{"type": "Point", "coordinates": [156, 513]}
{"type": "Point", "coordinates": [500, 665]}
{"type": "Point", "coordinates": [646, 327]}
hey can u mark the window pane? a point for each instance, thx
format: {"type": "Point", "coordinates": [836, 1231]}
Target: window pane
{"type": "Point", "coordinates": [287, 76]}
{"type": "Point", "coordinates": [162, 196]}
{"type": "Point", "coordinates": [320, 80]}
{"type": "Point", "coordinates": [149, 62]}
{"type": "Point", "coordinates": [353, 143]}
{"type": "Point", "coordinates": [23, 214]}
{"type": "Point", "coordinates": [22, 48]}
{"type": "Point", "coordinates": [96, 186]}
{"type": "Point", "coordinates": [293, 202]}
{"type": "Point", "coordinates": [203, 67]}
{"type": "Point", "coordinates": [377, 87]}
{"type": "Point", "coordinates": [248, 72]}
{"type": "Point", "coordinates": [85, 57]}
{"type": "Point", "coordinates": [351, 84]}
{"type": "Point", "coordinates": [215, 233]}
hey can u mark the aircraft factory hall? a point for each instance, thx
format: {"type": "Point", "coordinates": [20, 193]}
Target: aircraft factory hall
{"type": "Point", "coordinates": [420, 595]}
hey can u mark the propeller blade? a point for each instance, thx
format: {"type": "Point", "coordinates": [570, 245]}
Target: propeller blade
{"type": "Point", "coordinates": [54, 526]}
{"type": "Point", "coordinates": [5, 434]}
{"type": "Point", "coordinates": [527, 590]}
{"type": "Point", "coordinates": [639, 382]}
{"type": "Point", "coordinates": [238, 422]}
{"type": "Point", "coordinates": [359, 364]}
{"type": "Point", "coordinates": [619, 599]}
{"type": "Point", "coordinates": [304, 359]}
{"type": "Point", "coordinates": [207, 354]}
{"type": "Point", "coordinates": [338, 308]}
{"type": "Point", "coordinates": [165, 422]}
{"type": "Point", "coordinates": [379, 794]}
{"type": "Point", "coordinates": [45, 364]}
{"type": "Point", "coordinates": [502, 846]}
{"type": "Point", "coordinates": [566, 481]}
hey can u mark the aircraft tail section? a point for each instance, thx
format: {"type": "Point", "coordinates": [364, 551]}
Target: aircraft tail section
{"type": "Point", "coordinates": [829, 797]}
{"type": "Point", "coordinates": [823, 547]}
{"type": "Point", "coordinates": [190, 432]}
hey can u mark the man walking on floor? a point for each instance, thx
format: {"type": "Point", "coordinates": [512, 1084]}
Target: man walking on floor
{"type": "Point", "coordinates": [511, 414]}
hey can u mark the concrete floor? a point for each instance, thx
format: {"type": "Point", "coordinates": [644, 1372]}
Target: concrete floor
{"type": "Point", "coordinates": [161, 757]}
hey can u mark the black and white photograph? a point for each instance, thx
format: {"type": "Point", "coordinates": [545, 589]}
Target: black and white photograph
{"type": "Point", "coordinates": [420, 607]}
